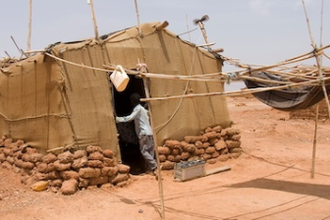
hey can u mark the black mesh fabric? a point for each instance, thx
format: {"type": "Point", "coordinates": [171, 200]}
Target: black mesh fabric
{"type": "Point", "coordinates": [286, 99]}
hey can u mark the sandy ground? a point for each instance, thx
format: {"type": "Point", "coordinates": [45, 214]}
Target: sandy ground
{"type": "Point", "coordinates": [270, 180]}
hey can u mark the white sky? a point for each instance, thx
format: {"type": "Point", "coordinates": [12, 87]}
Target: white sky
{"type": "Point", "coordinates": [253, 31]}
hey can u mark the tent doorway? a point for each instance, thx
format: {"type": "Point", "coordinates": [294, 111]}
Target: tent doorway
{"type": "Point", "coordinates": [128, 140]}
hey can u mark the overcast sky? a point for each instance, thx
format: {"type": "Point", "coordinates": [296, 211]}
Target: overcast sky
{"type": "Point", "coordinates": [253, 31]}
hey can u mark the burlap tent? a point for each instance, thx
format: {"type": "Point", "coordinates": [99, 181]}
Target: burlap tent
{"type": "Point", "coordinates": [53, 104]}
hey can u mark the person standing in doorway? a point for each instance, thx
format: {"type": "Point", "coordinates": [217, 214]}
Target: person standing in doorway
{"type": "Point", "coordinates": [143, 131]}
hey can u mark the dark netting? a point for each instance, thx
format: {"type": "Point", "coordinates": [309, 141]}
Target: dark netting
{"type": "Point", "coordinates": [285, 99]}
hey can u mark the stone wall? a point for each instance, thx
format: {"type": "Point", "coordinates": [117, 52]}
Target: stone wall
{"type": "Point", "coordinates": [66, 172]}
{"type": "Point", "coordinates": [212, 145]}
{"type": "Point", "coordinates": [69, 171]}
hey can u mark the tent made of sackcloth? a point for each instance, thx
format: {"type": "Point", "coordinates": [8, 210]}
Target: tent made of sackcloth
{"type": "Point", "coordinates": [286, 99]}
{"type": "Point", "coordinates": [63, 98]}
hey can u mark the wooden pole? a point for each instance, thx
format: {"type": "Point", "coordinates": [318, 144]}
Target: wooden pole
{"type": "Point", "coordinates": [90, 2]}
{"type": "Point", "coordinates": [321, 28]}
{"type": "Point", "coordinates": [314, 142]}
{"type": "Point", "coordinates": [239, 73]}
{"type": "Point", "coordinates": [137, 16]}
{"type": "Point", "coordinates": [296, 59]}
{"type": "Point", "coordinates": [326, 56]}
{"type": "Point", "coordinates": [160, 180]}
{"type": "Point", "coordinates": [30, 27]}
{"type": "Point", "coordinates": [317, 107]}
{"type": "Point", "coordinates": [202, 28]}
{"type": "Point", "coordinates": [188, 31]}
{"type": "Point", "coordinates": [233, 93]}
{"type": "Point", "coordinates": [318, 61]}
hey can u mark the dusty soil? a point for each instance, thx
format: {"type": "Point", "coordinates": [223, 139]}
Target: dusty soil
{"type": "Point", "coordinates": [270, 180]}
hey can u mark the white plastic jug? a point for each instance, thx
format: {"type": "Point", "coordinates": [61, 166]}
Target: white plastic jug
{"type": "Point", "coordinates": [119, 78]}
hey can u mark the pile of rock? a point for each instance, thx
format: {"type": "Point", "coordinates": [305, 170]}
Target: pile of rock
{"type": "Point", "coordinates": [212, 145]}
{"type": "Point", "coordinates": [66, 172]}
{"type": "Point", "coordinates": [71, 170]}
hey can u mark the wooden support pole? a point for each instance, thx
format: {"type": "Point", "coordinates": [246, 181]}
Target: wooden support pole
{"type": "Point", "coordinates": [317, 110]}
{"type": "Point", "coordinates": [201, 26]}
{"type": "Point", "coordinates": [28, 48]}
{"type": "Point", "coordinates": [255, 68]}
{"type": "Point", "coordinates": [326, 56]}
{"type": "Point", "coordinates": [137, 16]}
{"type": "Point", "coordinates": [319, 65]}
{"type": "Point", "coordinates": [317, 59]}
{"type": "Point", "coordinates": [161, 26]}
{"type": "Point", "coordinates": [234, 93]}
{"type": "Point", "coordinates": [314, 142]}
{"type": "Point", "coordinates": [90, 2]}
{"type": "Point", "coordinates": [200, 23]}
{"type": "Point", "coordinates": [240, 73]}
{"type": "Point", "coordinates": [188, 31]}
{"type": "Point", "coordinates": [160, 179]}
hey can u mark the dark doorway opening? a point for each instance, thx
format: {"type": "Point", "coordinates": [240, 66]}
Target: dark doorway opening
{"type": "Point", "coordinates": [128, 140]}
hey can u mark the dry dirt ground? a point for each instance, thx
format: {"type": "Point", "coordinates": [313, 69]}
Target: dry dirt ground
{"type": "Point", "coordinates": [270, 180]}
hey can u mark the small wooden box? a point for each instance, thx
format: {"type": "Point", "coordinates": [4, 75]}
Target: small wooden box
{"type": "Point", "coordinates": [189, 169]}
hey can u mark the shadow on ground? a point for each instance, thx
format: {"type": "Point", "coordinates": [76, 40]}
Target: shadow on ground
{"type": "Point", "coordinates": [287, 186]}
